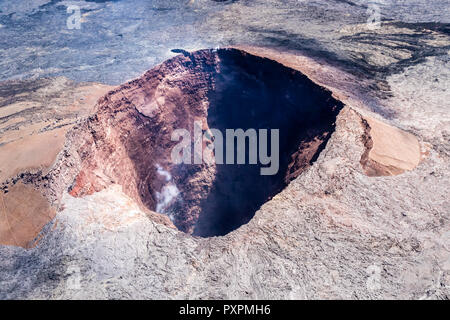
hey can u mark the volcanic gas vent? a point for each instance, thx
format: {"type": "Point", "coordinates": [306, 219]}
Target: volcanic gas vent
{"type": "Point", "coordinates": [206, 137]}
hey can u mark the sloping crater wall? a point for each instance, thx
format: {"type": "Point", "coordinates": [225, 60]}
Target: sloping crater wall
{"type": "Point", "coordinates": [129, 139]}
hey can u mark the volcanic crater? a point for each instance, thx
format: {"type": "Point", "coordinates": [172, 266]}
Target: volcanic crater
{"type": "Point", "coordinates": [127, 141]}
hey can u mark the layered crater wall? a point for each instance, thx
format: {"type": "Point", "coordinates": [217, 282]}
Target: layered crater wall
{"type": "Point", "coordinates": [128, 141]}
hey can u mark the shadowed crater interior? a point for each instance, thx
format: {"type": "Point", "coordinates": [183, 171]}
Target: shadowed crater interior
{"type": "Point", "coordinates": [255, 93]}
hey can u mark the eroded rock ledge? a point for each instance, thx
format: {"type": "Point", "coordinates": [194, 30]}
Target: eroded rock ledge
{"type": "Point", "coordinates": [389, 151]}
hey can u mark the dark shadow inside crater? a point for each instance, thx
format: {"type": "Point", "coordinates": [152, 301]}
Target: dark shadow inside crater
{"type": "Point", "coordinates": [256, 93]}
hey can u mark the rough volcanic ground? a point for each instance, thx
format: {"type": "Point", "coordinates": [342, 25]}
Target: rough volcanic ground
{"type": "Point", "coordinates": [368, 219]}
{"type": "Point", "coordinates": [35, 116]}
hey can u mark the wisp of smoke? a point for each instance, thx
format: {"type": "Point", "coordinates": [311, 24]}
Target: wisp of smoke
{"type": "Point", "coordinates": [168, 194]}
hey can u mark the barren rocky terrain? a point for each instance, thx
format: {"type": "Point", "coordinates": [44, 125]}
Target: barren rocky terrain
{"type": "Point", "coordinates": [358, 210]}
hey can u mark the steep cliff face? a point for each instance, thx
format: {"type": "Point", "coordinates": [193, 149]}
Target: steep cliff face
{"type": "Point", "coordinates": [128, 141]}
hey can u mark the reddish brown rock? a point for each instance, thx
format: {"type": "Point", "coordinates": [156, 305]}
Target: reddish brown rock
{"type": "Point", "coordinates": [389, 151]}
